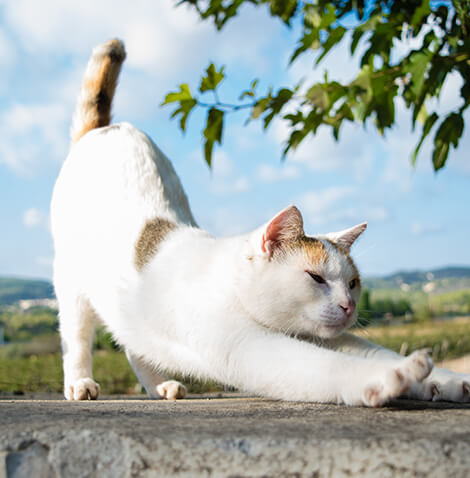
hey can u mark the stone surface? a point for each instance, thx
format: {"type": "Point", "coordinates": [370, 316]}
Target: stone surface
{"type": "Point", "coordinates": [231, 437]}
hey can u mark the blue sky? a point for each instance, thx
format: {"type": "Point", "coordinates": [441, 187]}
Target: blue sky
{"type": "Point", "coordinates": [417, 219]}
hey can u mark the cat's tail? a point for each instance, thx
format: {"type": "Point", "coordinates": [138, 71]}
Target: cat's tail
{"type": "Point", "coordinates": [93, 108]}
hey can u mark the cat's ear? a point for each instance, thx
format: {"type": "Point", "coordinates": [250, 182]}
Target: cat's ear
{"type": "Point", "coordinates": [286, 226]}
{"type": "Point", "coordinates": [347, 237]}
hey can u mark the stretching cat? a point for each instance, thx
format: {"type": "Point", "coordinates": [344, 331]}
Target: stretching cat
{"type": "Point", "coordinates": [128, 253]}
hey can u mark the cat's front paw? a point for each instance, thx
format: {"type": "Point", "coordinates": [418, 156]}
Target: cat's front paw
{"type": "Point", "coordinates": [399, 379]}
{"type": "Point", "coordinates": [82, 389]}
{"type": "Point", "coordinates": [171, 390]}
{"type": "Point", "coordinates": [442, 385]}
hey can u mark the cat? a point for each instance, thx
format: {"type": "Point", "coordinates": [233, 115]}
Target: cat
{"type": "Point", "coordinates": [266, 312]}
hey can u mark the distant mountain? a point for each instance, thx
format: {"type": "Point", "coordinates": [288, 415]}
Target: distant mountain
{"type": "Point", "coordinates": [449, 278]}
{"type": "Point", "coordinates": [12, 290]}
{"type": "Point", "coordinates": [457, 276]}
{"type": "Point", "coordinates": [434, 274]}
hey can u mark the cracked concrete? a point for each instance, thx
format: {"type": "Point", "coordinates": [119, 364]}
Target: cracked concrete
{"type": "Point", "coordinates": [231, 437]}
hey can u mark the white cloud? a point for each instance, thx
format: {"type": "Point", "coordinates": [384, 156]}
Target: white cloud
{"type": "Point", "coordinates": [222, 165]}
{"type": "Point", "coordinates": [161, 38]}
{"type": "Point", "coordinates": [340, 205]}
{"type": "Point", "coordinates": [227, 222]}
{"type": "Point", "coordinates": [269, 174]}
{"type": "Point", "coordinates": [323, 206]}
{"type": "Point", "coordinates": [225, 180]}
{"type": "Point", "coordinates": [44, 261]}
{"type": "Point", "coordinates": [352, 154]}
{"type": "Point", "coordinates": [7, 50]}
{"type": "Point", "coordinates": [229, 186]}
{"type": "Point", "coordinates": [33, 217]}
{"type": "Point", "coordinates": [26, 131]}
{"type": "Point", "coordinates": [419, 229]}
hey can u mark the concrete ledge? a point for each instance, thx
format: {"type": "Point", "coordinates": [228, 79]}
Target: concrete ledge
{"type": "Point", "coordinates": [231, 437]}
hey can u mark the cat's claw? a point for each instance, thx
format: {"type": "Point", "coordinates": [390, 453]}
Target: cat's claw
{"type": "Point", "coordinates": [442, 386]}
{"type": "Point", "coordinates": [171, 390]}
{"type": "Point", "coordinates": [435, 391]}
{"type": "Point", "coordinates": [82, 389]}
{"type": "Point", "coordinates": [414, 368]}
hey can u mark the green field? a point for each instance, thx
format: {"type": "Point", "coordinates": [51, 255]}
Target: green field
{"type": "Point", "coordinates": [35, 366]}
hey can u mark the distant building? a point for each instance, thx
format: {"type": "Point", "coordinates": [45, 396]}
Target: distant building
{"type": "Point", "coordinates": [25, 305]}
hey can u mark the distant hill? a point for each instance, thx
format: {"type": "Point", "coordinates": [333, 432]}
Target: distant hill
{"type": "Point", "coordinates": [455, 277]}
{"type": "Point", "coordinates": [12, 290]}
{"type": "Point", "coordinates": [448, 278]}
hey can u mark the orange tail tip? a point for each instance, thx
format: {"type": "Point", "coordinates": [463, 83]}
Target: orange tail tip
{"type": "Point", "coordinates": [94, 102]}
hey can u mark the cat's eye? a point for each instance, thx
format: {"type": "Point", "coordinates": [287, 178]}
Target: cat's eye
{"type": "Point", "coordinates": [318, 279]}
{"type": "Point", "coordinates": [353, 283]}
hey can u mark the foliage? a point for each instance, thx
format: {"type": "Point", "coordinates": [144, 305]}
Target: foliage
{"type": "Point", "coordinates": [12, 290]}
{"type": "Point", "coordinates": [43, 373]}
{"type": "Point", "coordinates": [446, 339]}
{"type": "Point", "coordinates": [20, 327]}
{"type": "Point", "coordinates": [372, 28]}
{"type": "Point", "coordinates": [370, 308]}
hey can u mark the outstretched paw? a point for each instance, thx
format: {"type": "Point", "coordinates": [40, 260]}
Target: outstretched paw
{"type": "Point", "coordinates": [82, 389]}
{"type": "Point", "coordinates": [171, 390]}
{"type": "Point", "coordinates": [397, 381]}
{"type": "Point", "coordinates": [442, 386]}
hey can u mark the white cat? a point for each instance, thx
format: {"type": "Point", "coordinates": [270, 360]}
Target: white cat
{"type": "Point", "coordinates": [128, 253]}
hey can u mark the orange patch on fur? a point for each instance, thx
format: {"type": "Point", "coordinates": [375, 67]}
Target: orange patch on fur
{"type": "Point", "coordinates": [151, 236]}
{"type": "Point", "coordinates": [98, 89]}
{"type": "Point", "coordinates": [314, 250]}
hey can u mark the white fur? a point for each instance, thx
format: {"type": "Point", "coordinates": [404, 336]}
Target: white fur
{"type": "Point", "coordinates": [215, 308]}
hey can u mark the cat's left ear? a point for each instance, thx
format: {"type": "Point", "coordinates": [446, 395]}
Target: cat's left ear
{"type": "Point", "coordinates": [286, 226]}
{"type": "Point", "coordinates": [347, 237]}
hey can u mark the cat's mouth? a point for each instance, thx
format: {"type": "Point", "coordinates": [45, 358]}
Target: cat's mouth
{"type": "Point", "coordinates": [331, 327]}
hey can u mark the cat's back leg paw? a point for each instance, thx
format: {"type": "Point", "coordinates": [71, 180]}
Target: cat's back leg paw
{"type": "Point", "coordinates": [171, 390]}
{"type": "Point", "coordinates": [82, 389]}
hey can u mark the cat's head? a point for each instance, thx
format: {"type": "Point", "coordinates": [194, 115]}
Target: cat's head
{"type": "Point", "coordinates": [299, 284]}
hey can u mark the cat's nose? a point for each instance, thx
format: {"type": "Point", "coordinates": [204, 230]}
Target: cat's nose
{"type": "Point", "coordinates": [348, 307]}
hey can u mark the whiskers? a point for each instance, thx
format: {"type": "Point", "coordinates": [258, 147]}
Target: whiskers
{"type": "Point", "coordinates": [290, 329]}
{"type": "Point", "coordinates": [363, 322]}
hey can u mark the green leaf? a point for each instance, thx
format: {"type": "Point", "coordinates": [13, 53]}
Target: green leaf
{"type": "Point", "coordinates": [212, 78]}
{"type": "Point", "coordinates": [417, 65]}
{"type": "Point", "coordinates": [422, 116]}
{"type": "Point", "coordinates": [328, 16]}
{"type": "Point", "coordinates": [449, 132]}
{"type": "Point", "coordinates": [186, 104]}
{"type": "Point", "coordinates": [310, 40]}
{"type": "Point", "coordinates": [334, 37]}
{"type": "Point", "coordinates": [213, 132]}
{"type": "Point", "coordinates": [318, 96]}
{"type": "Point", "coordinates": [276, 104]}
{"type": "Point", "coordinates": [183, 94]}
{"type": "Point", "coordinates": [295, 138]}
{"type": "Point", "coordinates": [251, 92]}
{"type": "Point", "coordinates": [422, 11]}
{"type": "Point", "coordinates": [284, 9]}
{"type": "Point", "coordinates": [185, 108]}
{"type": "Point", "coordinates": [356, 36]}
{"type": "Point", "coordinates": [260, 106]}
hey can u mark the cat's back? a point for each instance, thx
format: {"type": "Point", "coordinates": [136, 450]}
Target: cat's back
{"type": "Point", "coordinates": [119, 166]}
{"type": "Point", "coordinates": [113, 181]}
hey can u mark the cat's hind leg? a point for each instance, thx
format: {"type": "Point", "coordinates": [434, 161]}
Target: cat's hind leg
{"type": "Point", "coordinates": [154, 382]}
{"type": "Point", "coordinates": [77, 321]}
